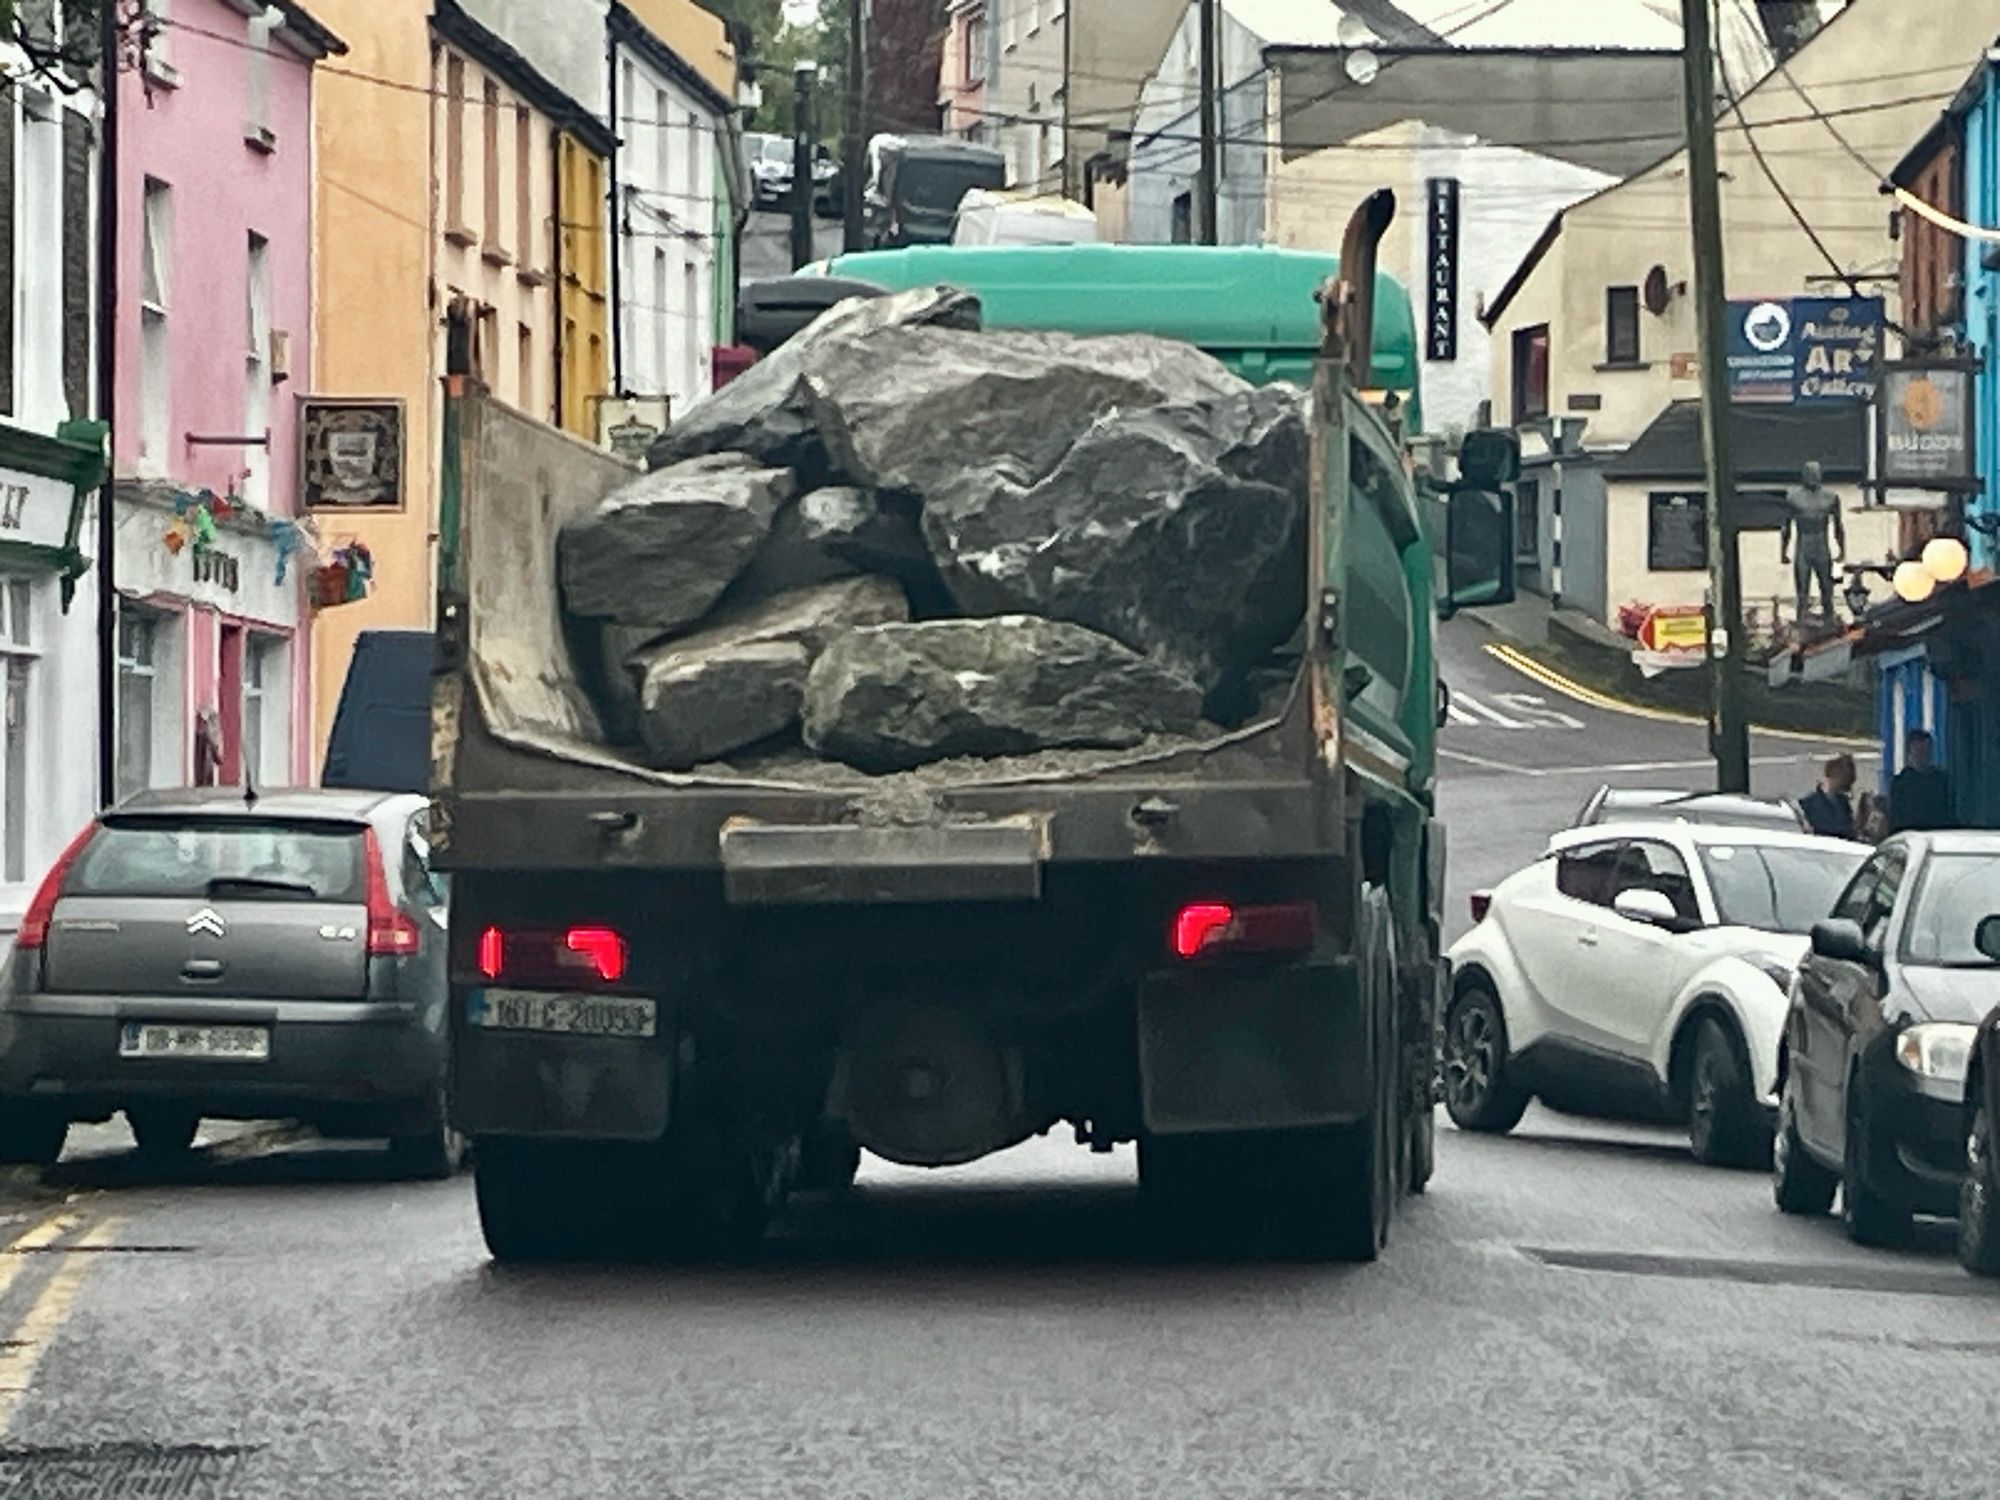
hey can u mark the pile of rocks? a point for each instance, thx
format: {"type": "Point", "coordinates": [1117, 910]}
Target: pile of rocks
{"type": "Point", "coordinates": [900, 539]}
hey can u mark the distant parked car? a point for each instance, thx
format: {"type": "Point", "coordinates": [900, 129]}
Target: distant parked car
{"type": "Point", "coordinates": [1879, 1037]}
{"type": "Point", "coordinates": [205, 953]}
{"type": "Point", "coordinates": [1609, 804]}
{"type": "Point", "coordinates": [1639, 971]}
{"type": "Point", "coordinates": [770, 161]}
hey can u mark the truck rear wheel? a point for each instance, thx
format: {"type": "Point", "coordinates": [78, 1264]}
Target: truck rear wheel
{"type": "Point", "coordinates": [692, 1196]}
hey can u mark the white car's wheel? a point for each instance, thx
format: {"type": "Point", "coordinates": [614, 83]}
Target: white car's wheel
{"type": "Point", "coordinates": [1478, 1093]}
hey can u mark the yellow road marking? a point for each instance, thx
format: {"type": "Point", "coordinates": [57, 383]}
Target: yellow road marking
{"type": "Point", "coordinates": [1548, 677]}
{"type": "Point", "coordinates": [40, 1237]}
{"type": "Point", "coordinates": [45, 1318]}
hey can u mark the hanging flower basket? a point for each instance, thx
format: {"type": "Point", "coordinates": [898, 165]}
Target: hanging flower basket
{"type": "Point", "coordinates": [347, 575]}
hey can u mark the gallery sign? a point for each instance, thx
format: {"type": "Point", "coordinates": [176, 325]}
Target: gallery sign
{"type": "Point", "coordinates": [1924, 426]}
{"type": "Point", "coordinates": [1804, 351]}
{"type": "Point", "coordinates": [1441, 270]}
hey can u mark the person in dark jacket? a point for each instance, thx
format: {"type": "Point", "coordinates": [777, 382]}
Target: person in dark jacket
{"type": "Point", "coordinates": [1829, 808]}
{"type": "Point", "coordinates": [1920, 796]}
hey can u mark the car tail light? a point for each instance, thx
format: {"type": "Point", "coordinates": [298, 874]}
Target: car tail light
{"type": "Point", "coordinates": [34, 931]}
{"type": "Point", "coordinates": [392, 933]}
{"type": "Point", "coordinates": [1481, 903]}
{"type": "Point", "coordinates": [566, 957]}
{"type": "Point", "coordinates": [1203, 928]}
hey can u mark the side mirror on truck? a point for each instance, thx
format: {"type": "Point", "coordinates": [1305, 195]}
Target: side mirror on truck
{"type": "Point", "coordinates": [1478, 549]}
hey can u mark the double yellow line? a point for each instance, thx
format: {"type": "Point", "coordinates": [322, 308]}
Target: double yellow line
{"type": "Point", "coordinates": [65, 1237]}
{"type": "Point", "coordinates": [1549, 678]}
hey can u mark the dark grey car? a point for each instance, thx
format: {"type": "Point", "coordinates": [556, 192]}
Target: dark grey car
{"type": "Point", "coordinates": [195, 954]}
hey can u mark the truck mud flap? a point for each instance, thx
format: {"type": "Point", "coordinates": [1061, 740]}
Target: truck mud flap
{"type": "Point", "coordinates": [587, 1087]}
{"type": "Point", "coordinates": [1257, 1050]}
{"type": "Point", "coordinates": [768, 864]}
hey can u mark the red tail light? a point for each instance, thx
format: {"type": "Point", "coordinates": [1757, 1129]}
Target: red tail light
{"type": "Point", "coordinates": [34, 931]}
{"type": "Point", "coordinates": [391, 931]}
{"type": "Point", "coordinates": [1207, 927]}
{"type": "Point", "coordinates": [562, 957]}
{"type": "Point", "coordinates": [1482, 903]}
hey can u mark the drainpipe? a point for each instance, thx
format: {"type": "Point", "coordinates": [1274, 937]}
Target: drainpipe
{"type": "Point", "coordinates": [614, 216]}
{"type": "Point", "coordinates": [107, 404]}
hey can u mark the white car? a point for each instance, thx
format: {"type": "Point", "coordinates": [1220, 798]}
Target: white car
{"type": "Point", "coordinates": [1640, 970]}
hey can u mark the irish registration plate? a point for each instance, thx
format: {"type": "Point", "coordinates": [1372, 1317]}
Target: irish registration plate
{"type": "Point", "coordinates": [575, 1015]}
{"type": "Point", "coordinates": [213, 1043]}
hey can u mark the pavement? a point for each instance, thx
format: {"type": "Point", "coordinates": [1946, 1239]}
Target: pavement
{"type": "Point", "coordinates": [766, 249]}
{"type": "Point", "coordinates": [1574, 1310]}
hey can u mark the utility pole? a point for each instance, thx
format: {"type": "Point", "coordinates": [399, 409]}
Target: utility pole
{"type": "Point", "coordinates": [1729, 735]}
{"type": "Point", "coordinates": [803, 75]}
{"type": "Point", "coordinates": [854, 145]}
{"type": "Point", "coordinates": [107, 403]}
{"type": "Point", "coordinates": [1206, 184]}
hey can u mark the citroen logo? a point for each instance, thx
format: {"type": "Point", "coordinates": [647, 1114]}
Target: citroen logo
{"type": "Point", "coordinates": [207, 922]}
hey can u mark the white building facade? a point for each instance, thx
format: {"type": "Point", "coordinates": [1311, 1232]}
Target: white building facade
{"type": "Point", "coordinates": [51, 462]}
{"type": "Point", "coordinates": [671, 234]}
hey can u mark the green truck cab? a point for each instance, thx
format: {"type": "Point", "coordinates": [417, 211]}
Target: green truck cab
{"type": "Point", "coordinates": [1228, 952]}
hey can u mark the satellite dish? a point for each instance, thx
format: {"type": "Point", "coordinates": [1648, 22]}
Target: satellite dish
{"type": "Point", "coordinates": [1657, 291]}
{"type": "Point", "coordinates": [1354, 32]}
{"type": "Point", "coordinates": [1362, 65]}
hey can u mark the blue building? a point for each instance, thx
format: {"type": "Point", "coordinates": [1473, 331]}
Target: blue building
{"type": "Point", "coordinates": [1938, 661]}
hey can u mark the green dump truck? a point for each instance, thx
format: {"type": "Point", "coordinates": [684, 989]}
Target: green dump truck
{"type": "Point", "coordinates": [678, 996]}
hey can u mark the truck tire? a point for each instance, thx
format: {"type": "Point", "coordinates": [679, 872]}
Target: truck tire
{"type": "Point", "coordinates": [1423, 1147]}
{"type": "Point", "coordinates": [1725, 1126]}
{"type": "Point", "coordinates": [30, 1137]}
{"type": "Point", "coordinates": [829, 1159]}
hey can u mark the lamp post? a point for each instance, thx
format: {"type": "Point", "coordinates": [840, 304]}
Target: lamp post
{"type": "Point", "coordinates": [804, 73]}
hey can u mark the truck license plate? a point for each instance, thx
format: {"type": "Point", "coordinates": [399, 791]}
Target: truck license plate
{"type": "Point", "coordinates": [215, 1043]}
{"type": "Point", "coordinates": [573, 1015]}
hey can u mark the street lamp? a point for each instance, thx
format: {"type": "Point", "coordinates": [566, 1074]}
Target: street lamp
{"type": "Point", "coordinates": [1944, 560]}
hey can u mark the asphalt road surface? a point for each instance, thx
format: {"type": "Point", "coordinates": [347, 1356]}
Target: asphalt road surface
{"type": "Point", "coordinates": [1575, 1310]}
{"type": "Point", "coordinates": [767, 244]}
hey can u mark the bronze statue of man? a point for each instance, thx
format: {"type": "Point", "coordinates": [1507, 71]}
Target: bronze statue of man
{"type": "Point", "coordinates": [1812, 511]}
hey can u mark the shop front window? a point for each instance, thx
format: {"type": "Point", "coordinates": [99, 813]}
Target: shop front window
{"type": "Point", "coordinates": [19, 654]}
{"type": "Point", "coordinates": [138, 682]}
{"type": "Point", "coordinates": [266, 710]}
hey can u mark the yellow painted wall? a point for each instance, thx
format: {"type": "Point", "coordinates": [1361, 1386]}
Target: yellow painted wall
{"type": "Point", "coordinates": [698, 36]}
{"type": "Point", "coordinates": [372, 333]}
{"type": "Point", "coordinates": [582, 177]}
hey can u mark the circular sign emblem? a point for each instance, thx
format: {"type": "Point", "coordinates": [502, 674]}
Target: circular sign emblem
{"type": "Point", "coordinates": [1768, 326]}
{"type": "Point", "coordinates": [1923, 404]}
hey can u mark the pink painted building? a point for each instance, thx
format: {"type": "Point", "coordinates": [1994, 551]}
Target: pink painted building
{"type": "Point", "coordinates": [962, 72]}
{"type": "Point", "coordinates": [213, 338]}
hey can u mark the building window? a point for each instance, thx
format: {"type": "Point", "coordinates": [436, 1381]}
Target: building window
{"type": "Point", "coordinates": [524, 346]}
{"type": "Point", "coordinates": [454, 142]}
{"type": "Point", "coordinates": [975, 49]}
{"type": "Point", "coordinates": [1183, 219]}
{"type": "Point", "coordinates": [257, 115]}
{"type": "Point", "coordinates": [138, 684]}
{"type": "Point", "coordinates": [489, 173]}
{"type": "Point", "coordinates": [524, 189]}
{"type": "Point", "coordinates": [660, 314]}
{"type": "Point", "coordinates": [155, 358]}
{"type": "Point", "coordinates": [1531, 373]}
{"type": "Point", "coordinates": [663, 143]}
{"type": "Point", "coordinates": [1010, 23]}
{"type": "Point", "coordinates": [157, 28]}
{"type": "Point", "coordinates": [257, 370]}
{"type": "Point", "coordinates": [266, 710]}
{"type": "Point", "coordinates": [1621, 325]}
{"type": "Point", "coordinates": [1035, 9]}
{"type": "Point", "coordinates": [38, 392]}
{"type": "Point", "coordinates": [18, 655]}
{"type": "Point", "coordinates": [1677, 532]}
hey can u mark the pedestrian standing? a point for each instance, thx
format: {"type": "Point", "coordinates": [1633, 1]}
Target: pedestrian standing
{"type": "Point", "coordinates": [1920, 796]}
{"type": "Point", "coordinates": [1829, 807]}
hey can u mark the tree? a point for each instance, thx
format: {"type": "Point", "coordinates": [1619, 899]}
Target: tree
{"type": "Point", "coordinates": [1790, 24]}
{"type": "Point", "coordinates": [906, 52]}
{"type": "Point", "coordinates": [64, 57]}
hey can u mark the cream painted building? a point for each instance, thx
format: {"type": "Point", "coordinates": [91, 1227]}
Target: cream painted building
{"type": "Point", "coordinates": [1577, 344]}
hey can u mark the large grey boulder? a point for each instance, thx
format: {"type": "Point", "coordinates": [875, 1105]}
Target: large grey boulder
{"type": "Point", "coordinates": [659, 551]}
{"type": "Point", "coordinates": [839, 532]}
{"type": "Point", "coordinates": [1179, 530]}
{"type": "Point", "coordinates": [742, 678]}
{"type": "Point", "coordinates": [914, 409]}
{"type": "Point", "coordinates": [893, 697]}
{"type": "Point", "coordinates": [767, 411]}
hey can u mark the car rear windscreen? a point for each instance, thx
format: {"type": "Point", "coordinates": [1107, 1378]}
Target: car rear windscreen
{"type": "Point", "coordinates": [232, 858]}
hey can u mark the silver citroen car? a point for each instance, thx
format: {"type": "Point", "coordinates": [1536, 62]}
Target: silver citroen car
{"type": "Point", "coordinates": [215, 953]}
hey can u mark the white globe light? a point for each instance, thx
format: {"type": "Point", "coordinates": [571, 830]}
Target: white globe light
{"type": "Point", "coordinates": [1362, 65]}
{"type": "Point", "coordinates": [1913, 582]}
{"type": "Point", "coordinates": [1945, 558]}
